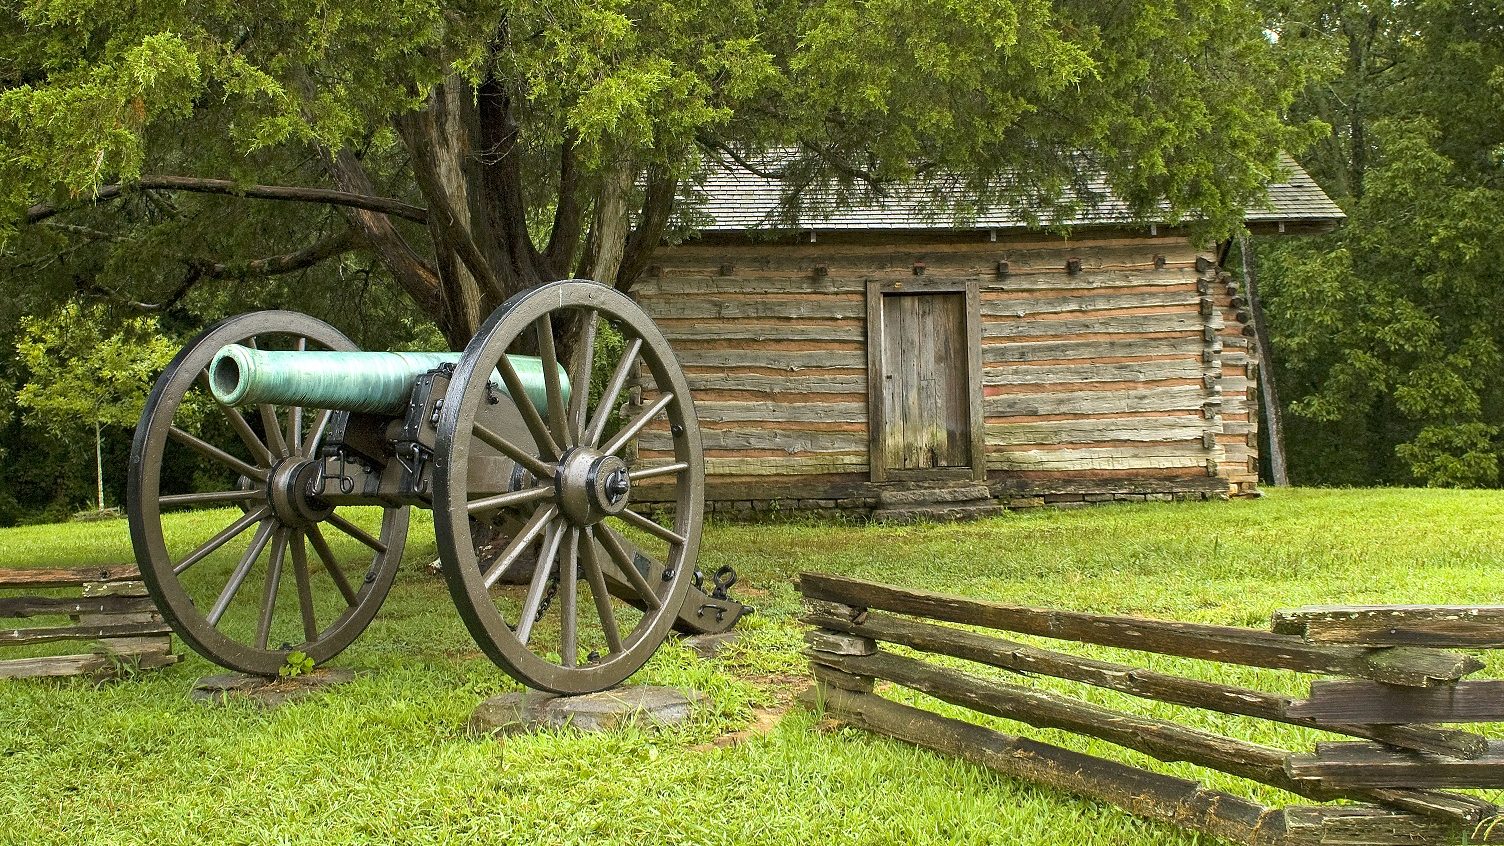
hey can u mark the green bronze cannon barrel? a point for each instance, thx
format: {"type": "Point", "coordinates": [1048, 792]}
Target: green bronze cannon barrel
{"type": "Point", "coordinates": [368, 382]}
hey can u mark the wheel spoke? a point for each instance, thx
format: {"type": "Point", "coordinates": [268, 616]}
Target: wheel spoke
{"type": "Point", "coordinates": [316, 431]}
{"type": "Point", "coordinates": [212, 497]}
{"type": "Point", "coordinates": [326, 555]}
{"type": "Point", "coordinates": [305, 591]}
{"type": "Point", "coordinates": [295, 430]}
{"type": "Point", "coordinates": [356, 532]}
{"type": "Point", "coordinates": [259, 451]}
{"type": "Point", "coordinates": [273, 429]}
{"type": "Point", "coordinates": [491, 503]}
{"type": "Point", "coordinates": [613, 390]}
{"type": "Point", "coordinates": [519, 542]}
{"type": "Point", "coordinates": [569, 591]}
{"type": "Point", "coordinates": [579, 376]}
{"type": "Point", "coordinates": [535, 424]}
{"type": "Point", "coordinates": [629, 431]}
{"type": "Point", "coordinates": [650, 527]}
{"type": "Point", "coordinates": [273, 582]}
{"type": "Point", "coordinates": [617, 550]}
{"type": "Point", "coordinates": [653, 472]}
{"type": "Point", "coordinates": [221, 539]}
{"type": "Point", "coordinates": [242, 569]}
{"type": "Point", "coordinates": [534, 465]}
{"type": "Point", "coordinates": [295, 417]}
{"type": "Point", "coordinates": [534, 600]}
{"type": "Point", "coordinates": [214, 453]}
{"type": "Point", "coordinates": [553, 392]}
{"type": "Point", "coordinates": [600, 593]}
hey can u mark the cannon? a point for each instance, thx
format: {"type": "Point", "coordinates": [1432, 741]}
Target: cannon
{"type": "Point", "coordinates": [544, 490]}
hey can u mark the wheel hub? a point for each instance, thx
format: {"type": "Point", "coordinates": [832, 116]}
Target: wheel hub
{"type": "Point", "coordinates": [290, 493]}
{"type": "Point", "coordinates": [592, 486]}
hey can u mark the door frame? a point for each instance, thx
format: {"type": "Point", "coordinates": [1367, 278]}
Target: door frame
{"type": "Point", "coordinates": [877, 377]}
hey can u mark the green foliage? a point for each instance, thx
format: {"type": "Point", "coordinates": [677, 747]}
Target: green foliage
{"type": "Point", "coordinates": [87, 370]}
{"type": "Point", "coordinates": [86, 367]}
{"type": "Point", "coordinates": [1389, 334]}
{"type": "Point", "coordinates": [297, 664]}
{"type": "Point", "coordinates": [1179, 101]}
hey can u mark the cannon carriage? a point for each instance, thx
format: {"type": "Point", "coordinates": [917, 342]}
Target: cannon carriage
{"type": "Point", "coordinates": [561, 575]}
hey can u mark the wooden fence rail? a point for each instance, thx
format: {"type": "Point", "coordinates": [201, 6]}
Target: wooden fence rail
{"type": "Point", "coordinates": [1398, 694]}
{"type": "Point", "coordinates": [112, 609]}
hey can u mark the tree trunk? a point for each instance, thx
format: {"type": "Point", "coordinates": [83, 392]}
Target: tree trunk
{"type": "Point", "coordinates": [1269, 410]}
{"type": "Point", "coordinates": [98, 467]}
{"type": "Point", "coordinates": [609, 229]}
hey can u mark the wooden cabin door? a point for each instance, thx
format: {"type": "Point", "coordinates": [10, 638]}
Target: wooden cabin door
{"type": "Point", "coordinates": [925, 406]}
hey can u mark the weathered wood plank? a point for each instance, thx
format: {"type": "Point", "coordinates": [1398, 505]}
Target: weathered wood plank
{"type": "Point", "coordinates": [37, 606]}
{"type": "Point", "coordinates": [1370, 702]}
{"type": "Point", "coordinates": [1360, 765]}
{"type": "Point", "coordinates": [1187, 454]}
{"type": "Point", "coordinates": [1142, 793]}
{"type": "Point", "coordinates": [998, 330]}
{"type": "Point", "coordinates": [12, 637]}
{"type": "Point", "coordinates": [1227, 699]}
{"type": "Point", "coordinates": [1086, 349]}
{"type": "Point", "coordinates": [650, 291]}
{"type": "Point", "coordinates": [797, 383]}
{"type": "Point", "coordinates": [1033, 306]}
{"type": "Point", "coordinates": [1227, 644]}
{"type": "Point", "coordinates": [778, 466]}
{"type": "Point", "coordinates": [839, 643]}
{"type": "Point", "coordinates": [78, 665]}
{"type": "Point", "coordinates": [1187, 367]}
{"type": "Point", "coordinates": [792, 360]}
{"type": "Point", "coordinates": [822, 307]}
{"type": "Point", "coordinates": [1086, 431]}
{"type": "Point", "coordinates": [804, 412]}
{"type": "Point", "coordinates": [1358, 825]}
{"type": "Point", "coordinates": [1479, 626]}
{"type": "Point", "coordinates": [831, 677]}
{"type": "Point", "coordinates": [1022, 279]}
{"type": "Point", "coordinates": [1141, 400]}
{"type": "Point", "coordinates": [792, 442]}
{"type": "Point", "coordinates": [1160, 739]}
{"type": "Point", "coordinates": [66, 577]}
{"type": "Point", "coordinates": [846, 276]}
{"type": "Point", "coordinates": [751, 332]}
{"type": "Point", "coordinates": [125, 588]}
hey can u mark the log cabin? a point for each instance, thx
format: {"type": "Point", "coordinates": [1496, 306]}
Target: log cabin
{"type": "Point", "coordinates": [880, 360]}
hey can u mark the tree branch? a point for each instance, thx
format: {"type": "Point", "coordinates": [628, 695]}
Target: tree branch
{"type": "Point", "coordinates": [338, 244]}
{"type": "Point", "coordinates": [416, 276]}
{"type": "Point", "coordinates": [227, 187]}
{"type": "Point", "coordinates": [721, 148]}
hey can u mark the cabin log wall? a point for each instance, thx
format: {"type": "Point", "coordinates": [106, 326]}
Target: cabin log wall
{"type": "Point", "coordinates": [1129, 378]}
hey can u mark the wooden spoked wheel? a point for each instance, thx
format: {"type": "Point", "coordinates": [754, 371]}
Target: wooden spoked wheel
{"type": "Point", "coordinates": [604, 579]}
{"type": "Point", "coordinates": [238, 584]}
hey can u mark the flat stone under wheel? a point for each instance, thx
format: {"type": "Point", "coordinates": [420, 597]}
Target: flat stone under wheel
{"type": "Point", "coordinates": [605, 579]}
{"type": "Point", "coordinates": [221, 577]}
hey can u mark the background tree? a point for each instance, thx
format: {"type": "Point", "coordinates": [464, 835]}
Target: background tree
{"type": "Point", "coordinates": [89, 370]}
{"type": "Point", "coordinates": [1389, 334]}
{"type": "Point", "coordinates": [467, 150]}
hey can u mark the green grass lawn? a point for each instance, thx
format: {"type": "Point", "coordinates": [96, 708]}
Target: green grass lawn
{"type": "Point", "coordinates": [387, 759]}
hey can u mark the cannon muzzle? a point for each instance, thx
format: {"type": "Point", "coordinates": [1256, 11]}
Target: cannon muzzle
{"type": "Point", "coordinates": [366, 382]}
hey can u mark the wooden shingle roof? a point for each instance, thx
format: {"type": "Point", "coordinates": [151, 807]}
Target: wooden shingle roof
{"type": "Point", "coordinates": [735, 200]}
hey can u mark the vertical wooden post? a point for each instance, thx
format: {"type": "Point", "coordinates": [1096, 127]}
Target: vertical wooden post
{"type": "Point", "coordinates": [1269, 408]}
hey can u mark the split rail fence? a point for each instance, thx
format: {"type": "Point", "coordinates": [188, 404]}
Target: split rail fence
{"type": "Point", "coordinates": [106, 605]}
{"type": "Point", "coordinates": [1400, 682]}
